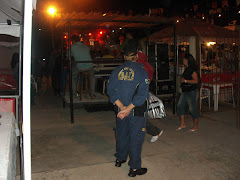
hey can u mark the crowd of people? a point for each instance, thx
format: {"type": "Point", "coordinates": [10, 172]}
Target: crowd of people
{"type": "Point", "coordinates": [223, 56]}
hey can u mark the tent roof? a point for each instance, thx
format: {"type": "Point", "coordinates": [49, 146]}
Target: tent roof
{"type": "Point", "coordinates": [193, 27]}
{"type": "Point", "coordinates": [92, 19]}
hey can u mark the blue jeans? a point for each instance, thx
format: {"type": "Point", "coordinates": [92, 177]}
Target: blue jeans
{"type": "Point", "coordinates": [188, 99]}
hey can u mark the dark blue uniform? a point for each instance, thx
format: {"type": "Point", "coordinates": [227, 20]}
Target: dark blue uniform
{"type": "Point", "coordinates": [130, 84]}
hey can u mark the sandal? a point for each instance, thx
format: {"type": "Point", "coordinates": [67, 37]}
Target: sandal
{"type": "Point", "coordinates": [181, 129]}
{"type": "Point", "coordinates": [193, 130]}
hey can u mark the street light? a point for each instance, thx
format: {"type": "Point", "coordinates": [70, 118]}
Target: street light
{"type": "Point", "coordinates": [52, 10]}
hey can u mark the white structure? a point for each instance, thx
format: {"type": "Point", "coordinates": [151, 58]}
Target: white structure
{"type": "Point", "coordinates": [11, 18]}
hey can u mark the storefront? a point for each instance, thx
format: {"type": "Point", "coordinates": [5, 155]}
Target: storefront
{"type": "Point", "coordinates": [215, 49]}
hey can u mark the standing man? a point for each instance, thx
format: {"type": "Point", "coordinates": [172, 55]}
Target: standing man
{"type": "Point", "coordinates": [128, 90]}
{"type": "Point", "coordinates": [81, 52]}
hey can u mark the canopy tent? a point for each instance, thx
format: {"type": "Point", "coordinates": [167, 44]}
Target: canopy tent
{"type": "Point", "coordinates": [194, 27]}
{"type": "Point", "coordinates": [98, 19]}
{"type": "Point", "coordinates": [84, 20]}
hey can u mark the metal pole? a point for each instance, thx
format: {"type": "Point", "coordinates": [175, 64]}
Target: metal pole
{"type": "Point", "coordinates": [20, 63]}
{"type": "Point", "coordinates": [156, 70]}
{"type": "Point", "coordinates": [199, 64]}
{"type": "Point", "coordinates": [26, 103]}
{"type": "Point", "coordinates": [147, 41]}
{"type": "Point", "coordinates": [174, 68]}
{"type": "Point", "coordinates": [70, 72]}
{"type": "Point", "coordinates": [237, 83]}
{"type": "Point", "coordinates": [51, 26]}
{"type": "Point", "coordinates": [62, 69]}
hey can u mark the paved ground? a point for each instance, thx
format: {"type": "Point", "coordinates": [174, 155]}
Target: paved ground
{"type": "Point", "coordinates": [84, 150]}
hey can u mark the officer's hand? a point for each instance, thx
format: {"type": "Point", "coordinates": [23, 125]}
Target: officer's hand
{"type": "Point", "coordinates": [123, 113]}
{"type": "Point", "coordinates": [124, 107]}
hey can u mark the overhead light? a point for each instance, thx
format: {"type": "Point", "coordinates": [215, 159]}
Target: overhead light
{"type": "Point", "coordinates": [211, 43]}
{"type": "Point", "coordinates": [52, 10]}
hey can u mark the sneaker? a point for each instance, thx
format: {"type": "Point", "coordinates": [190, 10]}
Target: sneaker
{"type": "Point", "coordinates": [134, 172]}
{"type": "Point", "coordinates": [155, 138]}
{"type": "Point", "coordinates": [119, 163]}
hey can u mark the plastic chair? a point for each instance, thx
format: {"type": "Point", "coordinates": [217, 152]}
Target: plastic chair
{"type": "Point", "coordinates": [205, 93]}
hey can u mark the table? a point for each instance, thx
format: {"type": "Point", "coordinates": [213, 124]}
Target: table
{"type": "Point", "coordinates": [8, 146]}
{"type": "Point", "coordinates": [216, 87]}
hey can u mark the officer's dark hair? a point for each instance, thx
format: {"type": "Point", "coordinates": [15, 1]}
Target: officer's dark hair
{"type": "Point", "coordinates": [131, 47]}
{"type": "Point", "coordinates": [75, 38]}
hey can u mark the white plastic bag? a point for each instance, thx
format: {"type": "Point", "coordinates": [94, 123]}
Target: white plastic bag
{"type": "Point", "coordinates": [156, 108]}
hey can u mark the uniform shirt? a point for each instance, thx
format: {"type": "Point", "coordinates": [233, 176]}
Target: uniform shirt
{"type": "Point", "coordinates": [81, 52]}
{"type": "Point", "coordinates": [123, 82]}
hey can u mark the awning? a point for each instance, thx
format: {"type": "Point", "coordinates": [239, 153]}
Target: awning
{"type": "Point", "coordinates": [194, 27]}
{"type": "Point", "coordinates": [109, 20]}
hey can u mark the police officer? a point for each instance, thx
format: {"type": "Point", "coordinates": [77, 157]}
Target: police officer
{"type": "Point", "coordinates": [128, 90]}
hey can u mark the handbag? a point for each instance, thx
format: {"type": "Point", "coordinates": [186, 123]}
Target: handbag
{"type": "Point", "coordinates": [156, 108]}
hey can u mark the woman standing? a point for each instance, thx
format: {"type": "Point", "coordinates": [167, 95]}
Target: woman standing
{"type": "Point", "coordinates": [188, 98]}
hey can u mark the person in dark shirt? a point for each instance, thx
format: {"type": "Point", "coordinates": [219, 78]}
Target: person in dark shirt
{"type": "Point", "coordinates": [188, 98]}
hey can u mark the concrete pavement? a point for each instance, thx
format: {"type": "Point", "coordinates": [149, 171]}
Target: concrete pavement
{"type": "Point", "coordinates": [84, 150]}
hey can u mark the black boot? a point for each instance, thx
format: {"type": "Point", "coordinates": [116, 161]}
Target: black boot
{"type": "Point", "coordinates": [119, 163]}
{"type": "Point", "coordinates": [133, 173]}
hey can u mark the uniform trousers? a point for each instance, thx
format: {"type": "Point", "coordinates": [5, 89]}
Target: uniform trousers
{"type": "Point", "coordinates": [130, 133]}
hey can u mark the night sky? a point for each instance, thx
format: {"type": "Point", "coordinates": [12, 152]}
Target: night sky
{"type": "Point", "coordinates": [91, 5]}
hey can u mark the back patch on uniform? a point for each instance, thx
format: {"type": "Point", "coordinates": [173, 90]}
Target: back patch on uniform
{"type": "Point", "coordinates": [126, 74]}
{"type": "Point", "coordinates": [143, 129]}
